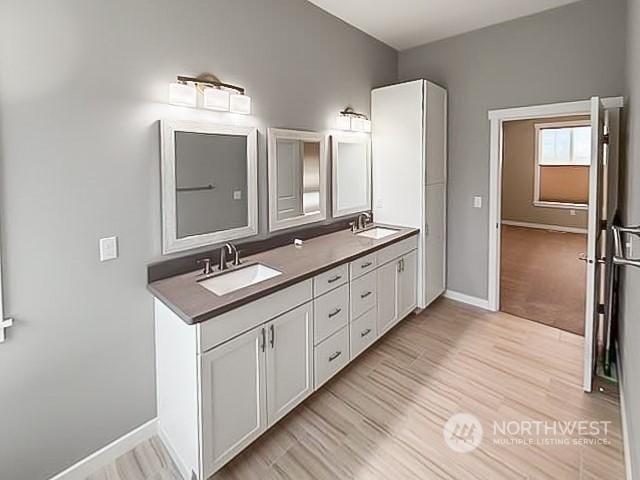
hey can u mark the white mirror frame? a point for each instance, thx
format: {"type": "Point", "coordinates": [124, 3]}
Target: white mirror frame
{"type": "Point", "coordinates": [279, 133]}
{"type": "Point", "coordinates": [358, 138]}
{"type": "Point", "coordinates": [170, 241]}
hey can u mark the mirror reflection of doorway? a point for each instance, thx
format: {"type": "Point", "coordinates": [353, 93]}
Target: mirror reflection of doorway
{"type": "Point", "coordinates": [545, 194]}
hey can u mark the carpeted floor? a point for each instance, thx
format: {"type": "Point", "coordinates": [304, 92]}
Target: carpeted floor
{"type": "Point", "coordinates": [542, 278]}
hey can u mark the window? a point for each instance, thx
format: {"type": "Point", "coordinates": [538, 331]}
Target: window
{"type": "Point", "coordinates": [563, 157]}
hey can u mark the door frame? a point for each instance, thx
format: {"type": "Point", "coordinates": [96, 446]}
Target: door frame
{"type": "Point", "coordinates": [497, 119]}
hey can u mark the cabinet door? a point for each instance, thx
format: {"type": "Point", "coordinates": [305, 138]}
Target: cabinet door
{"type": "Point", "coordinates": [233, 402]}
{"type": "Point", "coordinates": [289, 361]}
{"type": "Point", "coordinates": [387, 295]}
{"type": "Point", "coordinates": [435, 248]}
{"type": "Point", "coordinates": [407, 282]}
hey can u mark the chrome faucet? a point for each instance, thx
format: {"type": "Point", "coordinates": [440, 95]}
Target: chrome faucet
{"type": "Point", "coordinates": [363, 220]}
{"type": "Point", "coordinates": [231, 249]}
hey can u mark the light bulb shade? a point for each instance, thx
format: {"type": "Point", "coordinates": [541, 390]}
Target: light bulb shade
{"type": "Point", "coordinates": [358, 124]}
{"type": "Point", "coordinates": [181, 94]}
{"type": "Point", "coordinates": [343, 122]}
{"type": "Point", "coordinates": [216, 99]}
{"type": "Point", "coordinates": [366, 126]}
{"type": "Point", "coordinates": [240, 104]}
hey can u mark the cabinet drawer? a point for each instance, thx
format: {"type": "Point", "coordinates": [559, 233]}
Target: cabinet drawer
{"type": "Point", "coordinates": [363, 265]}
{"type": "Point", "coordinates": [228, 325]}
{"type": "Point", "coordinates": [329, 280]}
{"type": "Point", "coordinates": [363, 332]}
{"type": "Point", "coordinates": [331, 312]}
{"type": "Point", "coordinates": [397, 249]}
{"type": "Point", "coordinates": [363, 294]}
{"type": "Point", "coordinates": [330, 356]}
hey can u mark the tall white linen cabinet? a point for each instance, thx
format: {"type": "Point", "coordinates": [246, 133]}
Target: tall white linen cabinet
{"type": "Point", "coordinates": [409, 158]}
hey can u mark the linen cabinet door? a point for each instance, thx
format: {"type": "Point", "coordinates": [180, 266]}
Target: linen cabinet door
{"type": "Point", "coordinates": [289, 361]}
{"type": "Point", "coordinates": [233, 398]}
{"type": "Point", "coordinates": [407, 284]}
{"type": "Point", "coordinates": [387, 295]}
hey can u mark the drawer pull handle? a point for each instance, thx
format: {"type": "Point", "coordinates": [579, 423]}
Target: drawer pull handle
{"type": "Point", "coordinates": [334, 356]}
{"type": "Point", "coordinates": [367, 264]}
{"type": "Point", "coordinates": [366, 294]}
{"type": "Point", "coordinates": [335, 312]}
{"type": "Point", "coordinates": [365, 333]}
{"type": "Point", "coordinates": [334, 278]}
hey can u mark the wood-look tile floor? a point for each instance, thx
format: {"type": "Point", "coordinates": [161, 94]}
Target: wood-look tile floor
{"type": "Point", "coordinates": [383, 416]}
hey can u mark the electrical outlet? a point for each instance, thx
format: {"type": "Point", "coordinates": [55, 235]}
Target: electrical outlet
{"type": "Point", "coordinates": [108, 248]}
{"type": "Point", "coordinates": [572, 213]}
{"type": "Point", "coordinates": [477, 202]}
{"type": "Point", "coordinates": [237, 194]}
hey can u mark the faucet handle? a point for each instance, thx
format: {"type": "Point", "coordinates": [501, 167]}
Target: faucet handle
{"type": "Point", "coordinates": [206, 270]}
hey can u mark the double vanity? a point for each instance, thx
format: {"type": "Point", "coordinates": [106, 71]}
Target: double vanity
{"type": "Point", "coordinates": [244, 335]}
{"type": "Point", "coordinates": [238, 349]}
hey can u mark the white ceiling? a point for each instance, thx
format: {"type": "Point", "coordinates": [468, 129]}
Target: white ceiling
{"type": "Point", "coordinates": [404, 24]}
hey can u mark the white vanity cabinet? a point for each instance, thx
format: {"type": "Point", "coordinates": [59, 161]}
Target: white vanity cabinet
{"type": "Point", "coordinates": [224, 381]}
{"type": "Point", "coordinates": [289, 352]}
{"type": "Point", "coordinates": [252, 381]}
{"type": "Point", "coordinates": [396, 283]}
{"type": "Point", "coordinates": [234, 397]}
{"type": "Point", "coordinates": [407, 278]}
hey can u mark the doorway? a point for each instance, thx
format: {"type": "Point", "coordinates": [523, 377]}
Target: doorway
{"type": "Point", "coordinates": [545, 195]}
{"type": "Point", "coordinates": [604, 115]}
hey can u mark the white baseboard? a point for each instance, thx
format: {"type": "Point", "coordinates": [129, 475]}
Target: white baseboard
{"type": "Point", "coordinates": [623, 419]}
{"type": "Point", "coordinates": [554, 228]}
{"type": "Point", "coordinates": [106, 455]}
{"type": "Point", "coordinates": [461, 297]}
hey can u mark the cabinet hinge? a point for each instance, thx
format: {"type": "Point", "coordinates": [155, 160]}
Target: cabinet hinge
{"type": "Point", "coordinates": [601, 308]}
{"type": "Point", "coordinates": [605, 139]}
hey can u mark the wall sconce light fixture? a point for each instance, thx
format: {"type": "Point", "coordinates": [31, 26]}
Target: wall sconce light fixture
{"type": "Point", "coordinates": [216, 95]}
{"type": "Point", "coordinates": [349, 119]}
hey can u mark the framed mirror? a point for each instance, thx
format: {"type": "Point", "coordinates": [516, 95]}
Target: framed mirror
{"type": "Point", "coordinates": [297, 178]}
{"type": "Point", "coordinates": [350, 173]}
{"type": "Point", "coordinates": [209, 183]}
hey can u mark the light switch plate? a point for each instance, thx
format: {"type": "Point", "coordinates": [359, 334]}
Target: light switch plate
{"type": "Point", "coordinates": [108, 248]}
{"type": "Point", "coordinates": [237, 194]}
{"type": "Point", "coordinates": [477, 202]}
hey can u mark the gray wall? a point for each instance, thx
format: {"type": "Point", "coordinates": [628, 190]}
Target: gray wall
{"type": "Point", "coordinates": [82, 85]}
{"type": "Point", "coordinates": [629, 335]}
{"type": "Point", "coordinates": [570, 53]}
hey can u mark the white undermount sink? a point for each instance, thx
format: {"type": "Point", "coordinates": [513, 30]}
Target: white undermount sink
{"type": "Point", "coordinates": [239, 277]}
{"type": "Point", "coordinates": [377, 232]}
